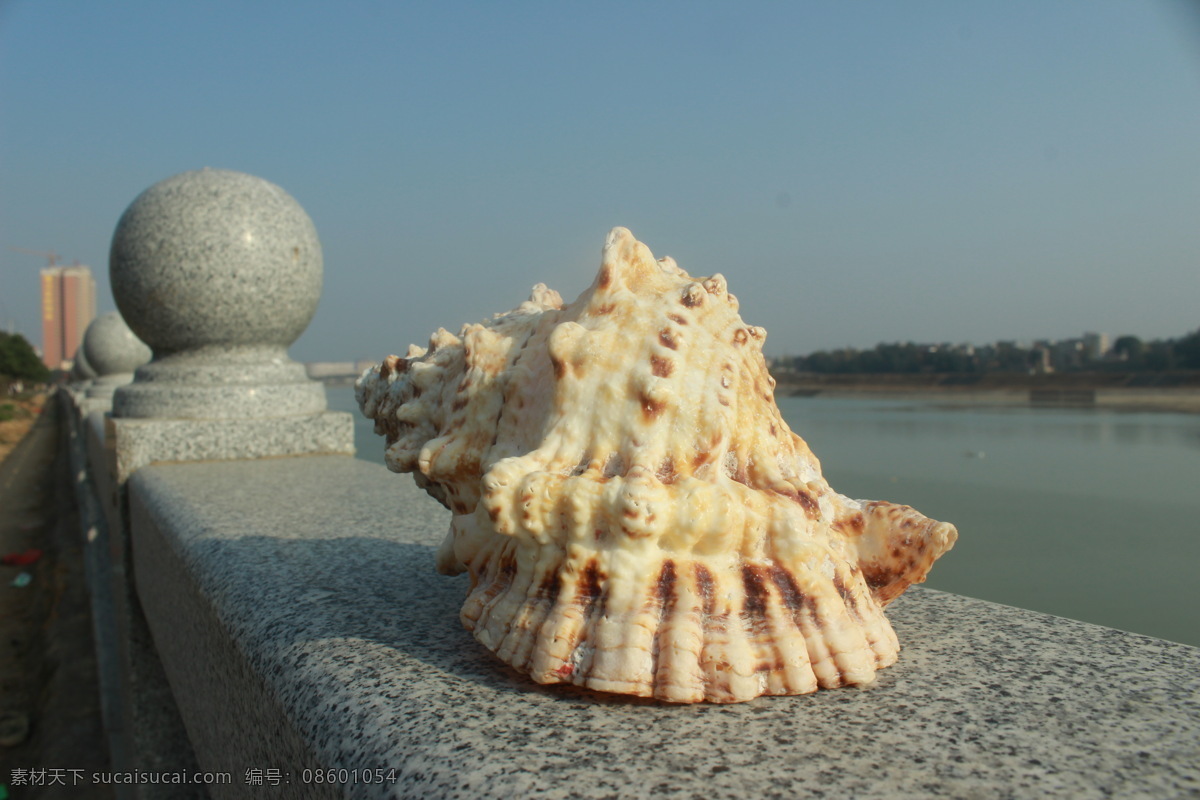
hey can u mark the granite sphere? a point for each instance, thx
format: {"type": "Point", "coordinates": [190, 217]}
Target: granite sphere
{"type": "Point", "coordinates": [111, 348]}
{"type": "Point", "coordinates": [215, 258]}
{"type": "Point", "coordinates": [82, 370]}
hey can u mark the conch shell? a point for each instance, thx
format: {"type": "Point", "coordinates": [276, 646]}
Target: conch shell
{"type": "Point", "coordinates": [635, 515]}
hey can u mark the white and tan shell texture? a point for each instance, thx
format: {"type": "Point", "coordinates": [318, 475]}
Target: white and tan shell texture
{"type": "Point", "coordinates": [634, 514]}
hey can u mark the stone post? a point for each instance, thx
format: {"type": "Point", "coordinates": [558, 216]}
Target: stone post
{"type": "Point", "coordinates": [218, 272]}
{"type": "Point", "coordinates": [113, 352]}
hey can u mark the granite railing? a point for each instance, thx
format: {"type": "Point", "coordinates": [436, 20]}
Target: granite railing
{"type": "Point", "coordinates": [268, 617]}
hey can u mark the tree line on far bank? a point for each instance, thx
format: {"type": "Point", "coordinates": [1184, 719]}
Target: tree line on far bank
{"type": "Point", "coordinates": [18, 361]}
{"type": "Point", "coordinates": [1128, 354]}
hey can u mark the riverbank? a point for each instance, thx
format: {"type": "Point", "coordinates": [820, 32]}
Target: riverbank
{"type": "Point", "coordinates": [17, 415]}
{"type": "Point", "coordinates": [49, 700]}
{"type": "Point", "coordinates": [1177, 392]}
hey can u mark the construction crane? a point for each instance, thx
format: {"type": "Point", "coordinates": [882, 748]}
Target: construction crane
{"type": "Point", "coordinates": [51, 257]}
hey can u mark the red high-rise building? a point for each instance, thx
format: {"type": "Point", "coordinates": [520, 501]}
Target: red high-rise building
{"type": "Point", "coordinates": [68, 307]}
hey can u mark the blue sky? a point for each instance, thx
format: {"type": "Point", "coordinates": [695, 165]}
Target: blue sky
{"type": "Point", "coordinates": [860, 172]}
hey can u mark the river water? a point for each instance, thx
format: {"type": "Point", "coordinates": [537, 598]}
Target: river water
{"type": "Point", "coordinates": [1088, 514]}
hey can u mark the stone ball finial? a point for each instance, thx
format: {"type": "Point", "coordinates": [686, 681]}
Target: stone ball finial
{"type": "Point", "coordinates": [218, 272]}
{"type": "Point", "coordinates": [111, 348]}
{"type": "Point", "coordinates": [216, 258]}
{"type": "Point", "coordinates": [81, 370]}
{"type": "Point", "coordinates": [113, 352]}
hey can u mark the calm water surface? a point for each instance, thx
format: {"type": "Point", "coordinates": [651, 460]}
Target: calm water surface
{"type": "Point", "coordinates": [1088, 514]}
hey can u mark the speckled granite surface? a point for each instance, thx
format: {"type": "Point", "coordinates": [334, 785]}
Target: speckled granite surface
{"type": "Point", "coordinates": [138, 442]}
{"type": "Point", "coordinates": [300, 619]}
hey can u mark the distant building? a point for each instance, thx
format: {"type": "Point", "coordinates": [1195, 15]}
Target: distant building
{"type": "Point", "coordinates": [68, 307]}
{"type": "Point", "coordinates": [1095, 346]}
{"type": "Point", "coordinates": [1067, 354]}
{"type": "Point", "coordinates": [1042, 362]}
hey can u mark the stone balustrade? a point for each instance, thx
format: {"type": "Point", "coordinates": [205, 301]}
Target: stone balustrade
{"type": "Point", "coordinates": [280, 619]}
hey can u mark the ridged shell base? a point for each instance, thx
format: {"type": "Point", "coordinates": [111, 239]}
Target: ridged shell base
{"type": "Point", "coordinates": [687, 631]}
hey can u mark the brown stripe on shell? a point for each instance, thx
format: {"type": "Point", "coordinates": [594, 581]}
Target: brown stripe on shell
{"type": "Point", "coordinates": [705, 588]}
{"type": "Point", "coordinates": [806, 499]}
{"type": "Point", "coordinates": [661, 367]}
{"type": "Point", "coordinates": [550, 587]}
{"type": "Point", "coordinates": [851, 524]}
{"type": "Point", "coordinates": [508, 566]}
{"type": "Point", "coordinates": [755, 603]}
{"type": "Point", "coordinates": [592, 598]}
{"type": "Point", "coordinates": [789, 592]}
{"type": "Point", "coordinates": [664, 589]}
{"type": "Point", "coordinates": [886, 584]}
{"type": "Point", "coordinates": [667, 337]}
{"type": "Point", "coordinates": [664, 600]}
{"type": "Point", "coordinates": [845, 591]}
{"type": "Point", "coordinates": [539, 604]}
{"type": "Point", "coordinates": [591, 589]}
{"type": "Point", "coordinates": [801, 496]}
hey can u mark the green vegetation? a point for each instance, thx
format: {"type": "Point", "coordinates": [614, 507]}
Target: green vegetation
{"type": "Point", "coordinates": [19, 361]}
{"type": "Point", "coordinates": [7, 411]}
{"type": "Point", "coordinates": [1128, 354]}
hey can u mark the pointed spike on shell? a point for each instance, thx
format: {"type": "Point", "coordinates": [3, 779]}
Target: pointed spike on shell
{"type": "Point", "coordinates": [545, 297]}
{"type": "Point", "coordinates": [634, 513]}
{"type": "Point", "coordinates": [668, 265]}
{"type": "Point", "coordinates": [716, 285]}
{"type": "Point", "coordinates": [693, 295]}
{"type": "Point", "coordinates": [442, 338]}
{"type": "Point", "coordinates": [615, 235]}
{"type": "Point", "coordinates": [392, 367]}
{"type": "Point", "coordinates": [626, 262]}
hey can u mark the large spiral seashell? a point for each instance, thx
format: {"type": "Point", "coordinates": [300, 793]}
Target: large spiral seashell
{"type": "Point", "coordinates": [634, 513]}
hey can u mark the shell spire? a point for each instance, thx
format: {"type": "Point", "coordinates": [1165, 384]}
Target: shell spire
{"type": "Point", "coordinates": [634, 513]}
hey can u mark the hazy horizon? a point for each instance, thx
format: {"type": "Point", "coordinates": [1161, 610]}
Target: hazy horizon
{"type": "Point", "coordinates": [927, 172]}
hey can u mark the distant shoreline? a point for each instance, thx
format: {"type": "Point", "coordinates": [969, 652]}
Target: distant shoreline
{"type": "Point", "coordinates": [1181, 394]}
{"type": "Point", "coordinates": [1166, 392]}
